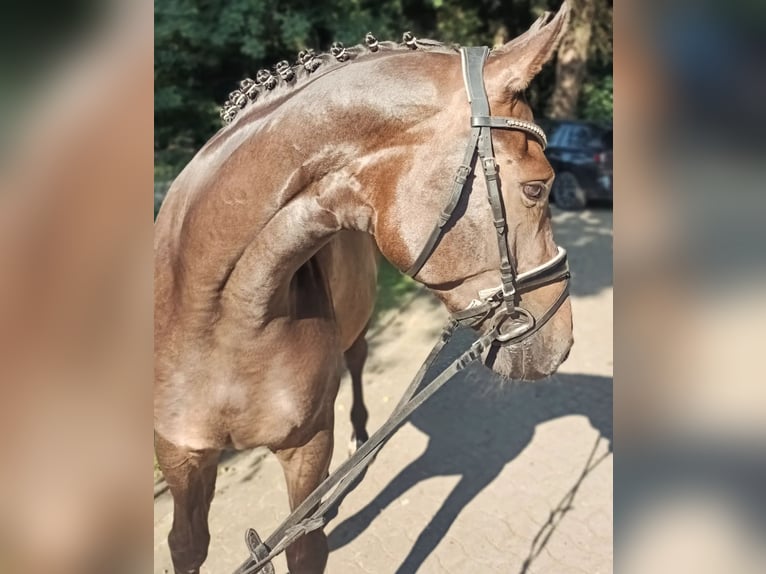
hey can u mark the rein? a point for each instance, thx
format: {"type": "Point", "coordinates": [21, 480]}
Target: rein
{"type": "Point", "coordinates": [510, 324]}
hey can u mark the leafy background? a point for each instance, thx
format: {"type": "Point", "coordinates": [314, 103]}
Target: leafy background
{"type": "Point", "coordinates": [204, 47]}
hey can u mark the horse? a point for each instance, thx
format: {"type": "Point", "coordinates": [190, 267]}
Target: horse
{"type": "Point", "coordinates": [266, 251]}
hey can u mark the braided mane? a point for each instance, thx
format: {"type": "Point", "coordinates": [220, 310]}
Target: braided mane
{"type": "Point", "coordinates": [285, 75]}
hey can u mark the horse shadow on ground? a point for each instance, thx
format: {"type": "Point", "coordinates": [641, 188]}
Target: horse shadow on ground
{"type": "Point", "coordinates": [476, 425]}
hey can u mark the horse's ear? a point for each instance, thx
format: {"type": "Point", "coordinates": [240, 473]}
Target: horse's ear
{"type": "Point", "coordinates": [511, 67]}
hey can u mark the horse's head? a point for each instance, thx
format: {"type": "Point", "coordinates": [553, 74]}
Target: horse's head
{"type": "Point", "coordinates": [462, 261]}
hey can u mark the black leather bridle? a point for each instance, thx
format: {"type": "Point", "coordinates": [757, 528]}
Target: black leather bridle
{"type": "Point", "coordinates": [513, 323]}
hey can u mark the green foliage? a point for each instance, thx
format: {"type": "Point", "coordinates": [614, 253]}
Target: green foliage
{"type": "Point", "coordinates": [160, 190]}
{"type": "Point", "coordinates": [596, 100]}
{"type": "Point", "coordinates": [393, 288]}
{"type": "Point", "coordinates": [456, 22]}
{"type": "Point", "coordinates": [204, 47]}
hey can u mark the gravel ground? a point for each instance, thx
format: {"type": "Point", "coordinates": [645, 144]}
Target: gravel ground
{"type": "Point", "coordinates": [487, 476]}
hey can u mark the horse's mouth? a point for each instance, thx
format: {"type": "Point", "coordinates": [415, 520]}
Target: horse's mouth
{"type": "Point", "coordinates": [529, 360]}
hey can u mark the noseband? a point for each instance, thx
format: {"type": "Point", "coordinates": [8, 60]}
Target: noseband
{"type": "Point", "coordinates": [512, 323]}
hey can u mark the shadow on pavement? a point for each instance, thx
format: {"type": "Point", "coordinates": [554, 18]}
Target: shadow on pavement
{"type": "Point", "coordinates": [587, 237]}
{"type": "Point", "coordinates": [565, 505]}
{"type": "Point", "coordinates": [476, 425]}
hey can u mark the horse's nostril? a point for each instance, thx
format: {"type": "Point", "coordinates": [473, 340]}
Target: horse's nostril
{"type": "Point", "coordinates": [566, 355]}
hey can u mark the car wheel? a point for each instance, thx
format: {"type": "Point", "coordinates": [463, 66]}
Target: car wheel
{"type": "Point", "coordinates": [567, 192]}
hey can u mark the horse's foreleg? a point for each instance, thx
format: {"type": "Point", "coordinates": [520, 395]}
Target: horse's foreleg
{"type": "Point", "coordinates": [191, 478]}
{"type": "Point", "coordinates": [355, 359]}
{"type": "Point", "coordinates": [305, 467]}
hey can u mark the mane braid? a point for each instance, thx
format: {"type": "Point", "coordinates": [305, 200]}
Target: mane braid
{"type": "Point", "coordinates": [283, 75]}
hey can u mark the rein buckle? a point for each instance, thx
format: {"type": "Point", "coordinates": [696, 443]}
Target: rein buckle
{"type": "Point", "coordinates": [258, 550]}
{"type": "Point", "coordinates": [462, 174]}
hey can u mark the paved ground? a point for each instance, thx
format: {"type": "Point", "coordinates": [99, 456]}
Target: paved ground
{"type": "Point", "coordinates": [487, 477]}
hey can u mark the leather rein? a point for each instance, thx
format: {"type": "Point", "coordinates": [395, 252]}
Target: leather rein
{"type": "Point", "coordinates": [509, 325]}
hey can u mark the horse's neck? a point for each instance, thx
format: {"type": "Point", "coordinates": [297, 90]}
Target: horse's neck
{"type": "Point", "coordinates": [307, 175]}
{"type": "Point", "coordinates": [319, 197]}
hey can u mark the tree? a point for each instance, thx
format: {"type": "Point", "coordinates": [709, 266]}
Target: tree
{"type": "Point", "coordinates": [204, 47]}
{"type": "Point", "coordinates": [584, 60]}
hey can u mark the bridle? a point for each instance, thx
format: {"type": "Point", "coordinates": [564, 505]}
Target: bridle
{"type": "Point", "coordinates": [512, 323]}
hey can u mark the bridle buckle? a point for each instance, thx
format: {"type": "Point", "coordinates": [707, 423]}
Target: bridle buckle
{"type": "Point", "coordinates": [513, 326]}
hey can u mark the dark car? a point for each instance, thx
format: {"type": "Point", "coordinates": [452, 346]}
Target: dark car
{"type": "Point", "coordinates": [581, 156]}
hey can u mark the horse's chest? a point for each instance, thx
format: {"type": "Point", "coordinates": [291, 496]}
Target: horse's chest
{"type": "Point", "coordinates": [293, 394]}
{"type": "Point", "coordinates": [273, 398]}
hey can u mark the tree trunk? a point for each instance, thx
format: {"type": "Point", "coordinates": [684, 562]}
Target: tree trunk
{"type": "Point", "coordinates": [572, 60]}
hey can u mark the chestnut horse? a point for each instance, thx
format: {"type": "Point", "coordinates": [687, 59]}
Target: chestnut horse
{"type": "Point", "coordinates": [266, 245]}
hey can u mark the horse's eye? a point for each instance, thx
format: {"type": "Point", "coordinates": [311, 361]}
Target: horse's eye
{"type": "Point", "coordinates": [534, 190]}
